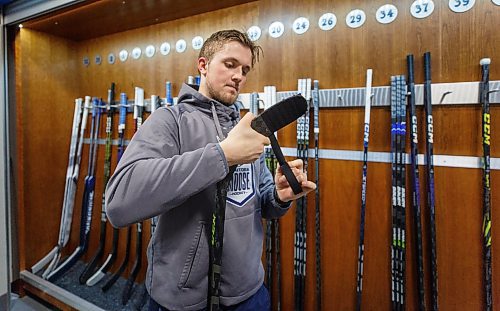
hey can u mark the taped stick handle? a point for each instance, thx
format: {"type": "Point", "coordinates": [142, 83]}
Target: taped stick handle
{"type": "Point", "coordinates": [427, 66]}
{"type": "Point", "coordinates": [285, 168]}
{"type": "Point", "coordinates": [411, 70]}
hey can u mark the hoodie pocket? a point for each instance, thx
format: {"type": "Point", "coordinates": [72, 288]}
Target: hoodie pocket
{"type": "Point", "coordinates": [196, 263]}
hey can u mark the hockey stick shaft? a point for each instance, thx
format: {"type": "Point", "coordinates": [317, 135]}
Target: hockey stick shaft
{"type": "Point", "coordinates": [127, 290]}
{"type": "Point", "coordinates": [101, 272]}
{"type": "Point", "coordinates": [430, 179]}
{"type": "Point", "coordinates": [486, 133]}
{"type": "Point", "coordinates": [121, 148]}
{"type": "Point", "coordinates": [416, 184]}
{"type": "Point", "coordinates": [91, 266]}
{"type": "Point", "coordinates": [315, 96]}
{"type": "Point", "coordinates": [366, 135]}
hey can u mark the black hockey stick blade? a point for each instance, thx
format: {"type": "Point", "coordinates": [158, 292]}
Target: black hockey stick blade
{"type": "Point", "coordinates": [275, 118]}
{"type": "Point", "coordinates": [123, 265]}
{"type": "Point", "coordinates": [129, 286]}
{"type": "Point", "coordinates": [280, 115]}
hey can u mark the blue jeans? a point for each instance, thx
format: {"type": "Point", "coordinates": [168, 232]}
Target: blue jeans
{"type": "Point", "coordinates": [259, 301]}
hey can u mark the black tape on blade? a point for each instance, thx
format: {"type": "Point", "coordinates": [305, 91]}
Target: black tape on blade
{"type": "Point", "coordinates": [280, 115]}
{"type": "Point", "coordinates": [275, 118]}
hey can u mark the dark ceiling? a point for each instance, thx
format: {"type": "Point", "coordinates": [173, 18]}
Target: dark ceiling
{"type": "Point", "coordinates": [93, 18]}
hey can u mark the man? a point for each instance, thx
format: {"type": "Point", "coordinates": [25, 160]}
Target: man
{"type": "Point", "coordinates": [170, 169]}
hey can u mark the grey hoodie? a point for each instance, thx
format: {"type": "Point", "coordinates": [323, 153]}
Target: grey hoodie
{"type": "Point", "coordinates": [170, 169]}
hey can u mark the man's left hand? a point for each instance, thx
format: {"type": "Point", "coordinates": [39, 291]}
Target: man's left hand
{"type": "Point", "coordinates": [283, 189]}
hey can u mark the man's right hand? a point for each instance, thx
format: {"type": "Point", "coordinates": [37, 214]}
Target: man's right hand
{"type": "Point", "coordinates": [243, 144]}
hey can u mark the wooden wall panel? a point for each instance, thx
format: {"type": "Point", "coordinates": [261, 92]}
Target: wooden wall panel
{"type": "Point", "coordinates": [152, 73]}
{"type": "Point", "coordinates": [338, 59]}
{"type": "Point", "coordinates": [44, 116]}
{"type": "Point", "coordinates": [84, 21]}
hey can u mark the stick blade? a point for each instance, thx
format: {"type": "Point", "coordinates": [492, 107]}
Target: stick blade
{"type": "Point", "coordinates": [280, 115]}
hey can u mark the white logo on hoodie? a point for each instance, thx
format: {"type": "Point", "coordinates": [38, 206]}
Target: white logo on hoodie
{"type": "Point", "coordinates": [242, 186]}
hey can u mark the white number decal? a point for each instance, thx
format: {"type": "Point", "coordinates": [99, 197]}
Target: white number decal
{"type": "Point", "coordinates": [422, 8]}
{"type": "Point", "coordinates": [150, 50]}
{"type": "Point", "coordinates": [460, 6]}
{"type": "Point", "coordinates": [123, 55]}
{"type": "Point", "coordinates": [136, 53]}
{"type": "Point", "coordinates": [180, 46]}
{"type": "Point", "coordinates": [300, 25]}
{"type": "Point", "coordinates": [355, 18]}
{"type": "Point", "coordinates": [327, 21]}
{"type": "Point", "coordinates": [387, 14]}
{"type": "Point", "coordinates": [111, 58]}
{"type": "Point", "coordinates": [254, 33]}
{"type": "Point", "coordinates": [165, 48]}
{"type": "Point", "coordinates": [197, 42]}
{"type": "Point", "coordinates": [276, 29]}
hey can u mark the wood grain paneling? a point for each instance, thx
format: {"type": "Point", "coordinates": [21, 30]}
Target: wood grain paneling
{"type": "Point", "coordinates": [99, 18]}
{"type": "Point", "coordinates": [45, 113]}
{"type": "Point", "coordinates": [50, 74]}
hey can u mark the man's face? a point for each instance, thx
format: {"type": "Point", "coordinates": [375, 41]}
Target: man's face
{"type": "Point", "coordinates": [225, 75]}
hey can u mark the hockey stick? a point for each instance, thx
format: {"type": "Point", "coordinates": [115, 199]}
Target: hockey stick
{"type": "Point", "coordinates": [266, 123]}
{"type": "Point", "coordinates": [67, 210]}
{"type": "Point", "coordinates": [395, 234]}
{"type": "Point", "coordinates": [305, 158]}
{"type": "Point", "coordinates": [416, 184]}
{"type": "Point", "coordinates": [269, 100]}
{"type": "Point", "coordinates": [297, 262]}
{"type": "Point", "coordinates": [361, 248]}
{"type": "Point", "coordinates": [484, 91]}
{"type": "Point", "coordinates": [430, 179]}
{"type": "Point", "coordinates": [91, 266]}
{"type": "Point", "coordinates": [304, 87]}
{"type": "Point", "coordinates": [276, 226]}
{"type": "Point", "coordinates": [301, 203]}
{"type": "Point", "coordinates": [315, 97]}
{"type": "Point", "coordinates": [402, 185]}
{"type": "Point", "coordinates": [273, 119]}
{"type": "Point", "coordinates": [127, 290]}
{"type": "Point", "coordinates": [275, 222]}
{"type": "Point", "coordinates": [88, 198]}
{"type": "Point", "coordinates": [121, 148]}
{"type": "Point", "coordinates": [101, 272]}
{"type": "Point", "coordinates": [254, 109]}
{"type": "Point", "coordinates": [216, 242]}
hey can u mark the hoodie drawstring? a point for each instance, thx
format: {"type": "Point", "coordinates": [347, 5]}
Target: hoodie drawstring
{"type": "Point", "coordinates": [220, 134]}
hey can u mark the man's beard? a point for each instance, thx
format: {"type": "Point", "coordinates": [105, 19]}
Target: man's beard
{"type": "Point", "coordinates": [218, 96]}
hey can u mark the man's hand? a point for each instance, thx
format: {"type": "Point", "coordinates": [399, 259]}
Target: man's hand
{"type": "Point", "coordinates": [283, 189]}
{"type": "Point", "coordinates": [243, 144]}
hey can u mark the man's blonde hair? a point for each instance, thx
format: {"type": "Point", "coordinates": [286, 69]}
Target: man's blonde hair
{"type": "Point", "coordinates": [217, 40]}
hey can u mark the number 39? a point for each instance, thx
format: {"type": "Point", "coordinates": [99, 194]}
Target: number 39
{"type": "Point", "coordinates": [461, 3]}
